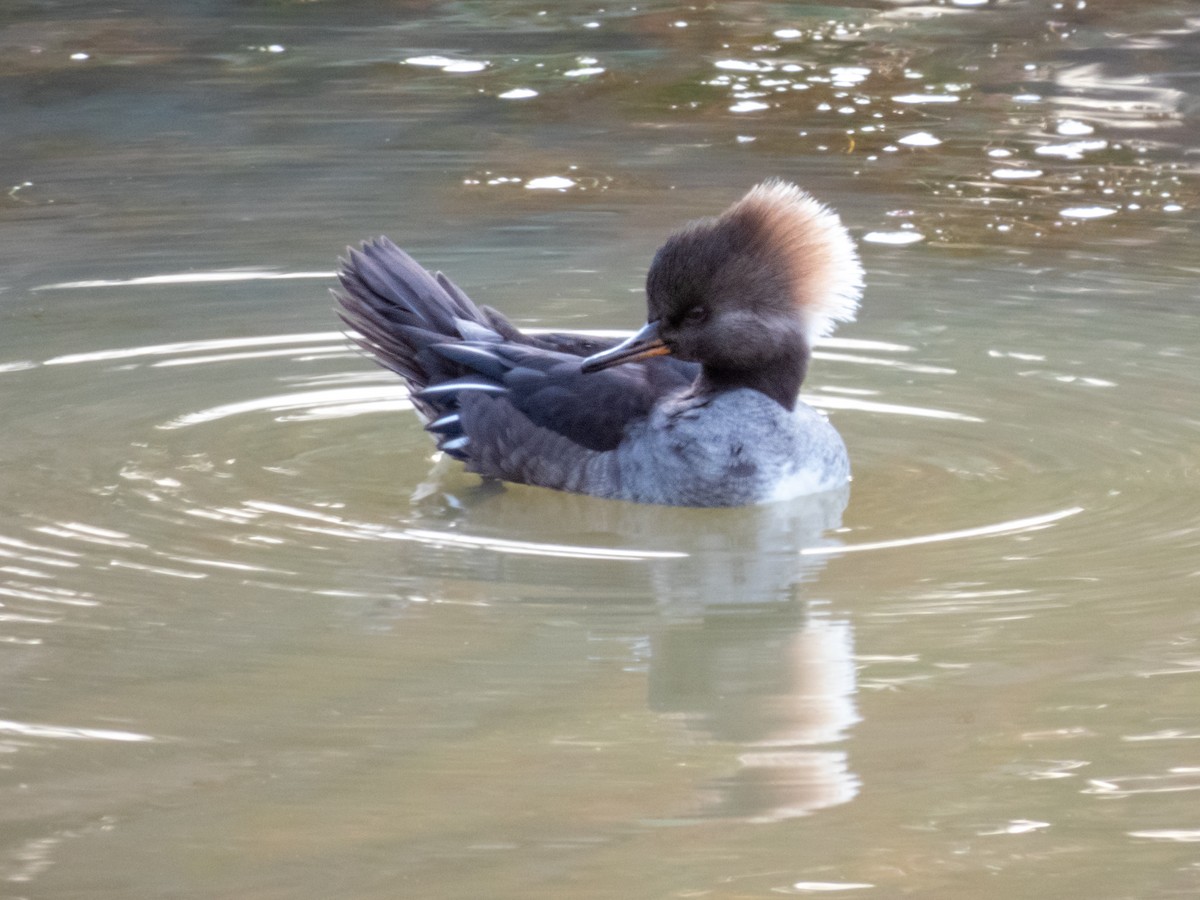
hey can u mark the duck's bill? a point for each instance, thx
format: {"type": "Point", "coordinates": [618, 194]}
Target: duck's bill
{"type": "Point", "coordinates": [643, 345]}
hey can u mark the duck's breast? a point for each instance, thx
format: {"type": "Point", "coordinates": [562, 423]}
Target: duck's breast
{"type": "Point", "coordinates": [730, 449]}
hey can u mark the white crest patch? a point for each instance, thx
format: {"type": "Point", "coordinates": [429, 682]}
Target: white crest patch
{"type": "Point", "coordinates": [826, 272]}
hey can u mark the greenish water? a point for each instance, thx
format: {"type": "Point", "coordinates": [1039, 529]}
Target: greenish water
{"type": "Point", "coordinates": [255, 641]}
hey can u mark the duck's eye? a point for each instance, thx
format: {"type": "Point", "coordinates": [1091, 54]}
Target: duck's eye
{"type": "Point", "coordinates": [695, 315]}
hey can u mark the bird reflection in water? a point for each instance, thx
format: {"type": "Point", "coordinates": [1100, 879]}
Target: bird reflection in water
{"type": "Point", "coordinates": [741, 651]}
{"type": "Point", "coordinates": [778, 686]}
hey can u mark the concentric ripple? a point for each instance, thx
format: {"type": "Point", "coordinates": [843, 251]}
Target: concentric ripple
{"type": "Point", "coordinates": [266, 460]}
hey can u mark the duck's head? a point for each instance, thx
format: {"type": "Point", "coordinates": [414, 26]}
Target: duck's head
{"type": "Point", "coordinates": [747, 293]}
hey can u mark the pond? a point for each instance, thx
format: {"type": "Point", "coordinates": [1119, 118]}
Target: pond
{"type": "Point", "coordinates": [258, 640]}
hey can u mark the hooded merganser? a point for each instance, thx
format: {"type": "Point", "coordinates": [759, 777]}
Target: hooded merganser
{"type": "Point", "coordinates": [698, 408]}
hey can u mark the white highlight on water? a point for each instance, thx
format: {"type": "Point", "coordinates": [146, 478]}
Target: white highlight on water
{"type": "Point", "coordinates": [1013, 526]}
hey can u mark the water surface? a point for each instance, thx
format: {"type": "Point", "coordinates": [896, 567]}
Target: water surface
{"type": "Point", "coordinates": [257, 641]}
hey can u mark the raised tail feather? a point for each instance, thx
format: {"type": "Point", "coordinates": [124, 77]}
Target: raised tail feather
{"type": "Point", "coordinates": [399, 310]}
{"type": "Point", "coordinates": [425, 329]}
{"type": "Point", "coordinates": [405, 318]}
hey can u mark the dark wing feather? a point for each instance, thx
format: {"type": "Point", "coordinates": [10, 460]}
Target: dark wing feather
{"type": "Point", "coordinates": [551, 391]}
{"type": "Point", "coordinates": [560, 342]}
{"type": "Point", "coordinates": [511, 447]}
{"type": "Point", "coordinates": [428, 331]}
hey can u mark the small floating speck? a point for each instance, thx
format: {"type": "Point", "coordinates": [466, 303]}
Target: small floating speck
{"type": "Point", "coordinates": [591, 24]}
{"type": "Point", "coordinates": [1013, 354]}
{"type": "Point", "coordinates": [1016, 174]}
{"type": "Point", "coordinates": [435, 62]}
{"type": "Point", "coordinates": [739, 65]}
{"type": "Point", "coordinates": [822, 886]}
{"type": "Point", "coordinates": [844, 76]}
{"type": "Point", "coordinates": [78, 57]}
{"type": "Point", "coordinates": [920, 139]}
{"type": "Point", "coordinates": [750, 139]}
{"type": "Point", "coordinates": [748, 106]}
{"type": "Point", "coordinates": [925, 98]}
{"type": "Point", "coordinates": [1016, 826]}
{"type": "Point", "coordinates": [1176, 835]}
{"type": "Point", "coordinates": [679, 24]}
{"type": "Point", "coordinates": [586, 70]}
{"type": "Point", "coordinates": [1072, 150]}
{"type": "Point", "coordinates": [30, 730]}
{"type": "Point", "coordinates": [1087, 212]}
{"type": "Point", "coordinates": [549, 183]}
{"type": "Point", "coordinates": [184, 278]}
{"type": "Point", "coordinates": [446, 64]}
{"type": "Point", "coordinates": [895, 238]}
{"type": "Point", "coordinates": [1073, 128]}
{"type": "Point", "coordinates": [518, 94]}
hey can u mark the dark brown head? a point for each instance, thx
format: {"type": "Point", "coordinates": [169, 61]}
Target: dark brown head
{"type": "Point", "coordinates": [747, 293]}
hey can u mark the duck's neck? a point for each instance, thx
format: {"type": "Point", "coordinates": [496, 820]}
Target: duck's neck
{"type": "Point", "coordinates": [780, 379]}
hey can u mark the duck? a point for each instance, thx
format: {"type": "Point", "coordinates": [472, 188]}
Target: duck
{"type": "Point", "coordinates": [700, 407]}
